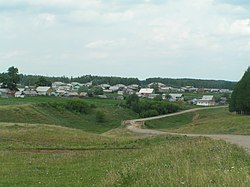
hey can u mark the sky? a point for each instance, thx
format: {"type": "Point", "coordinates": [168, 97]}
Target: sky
{"type": "Point", "coordinates": [203, 39]}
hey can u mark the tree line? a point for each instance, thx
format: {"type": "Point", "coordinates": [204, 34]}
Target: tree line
{"type": "Point", "coordinates": [12, 77]}
{"type": "Point", "coordinates": [197, 83]}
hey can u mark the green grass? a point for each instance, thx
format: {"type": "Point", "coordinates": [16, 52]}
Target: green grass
{"type": "Point", "coordinates": [30, 111]}
{"type": "Point", "coordinates": [38, 100]}
{"type": "Point", "coordinates": [161, 161]}
{"type": "Point", "coordinates": [213, 121]}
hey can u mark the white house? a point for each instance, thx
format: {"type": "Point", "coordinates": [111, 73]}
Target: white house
{"type": "Point", "coordinates": [206, 100]}
{"type": "Point", "coordinates": [145, 92]}
{"type": "Point", "coordinates": [43, 90]}
{"type": "Point", "coordinates": [158, 84]}
{"type": "Point", "coordinates": [176, 97]}
{"type": "Point", "coordinates": [19, 93]}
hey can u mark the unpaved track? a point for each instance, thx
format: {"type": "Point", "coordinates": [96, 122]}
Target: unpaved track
{"type": "Point", "coordinates": [240, 140]}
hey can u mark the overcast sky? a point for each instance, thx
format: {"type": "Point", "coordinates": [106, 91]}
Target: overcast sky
{"type": "Point", "coordinates": [133, 38]}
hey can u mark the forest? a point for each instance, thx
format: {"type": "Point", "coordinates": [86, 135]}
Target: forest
{"type": "Point", "coordinates": [26, 80]}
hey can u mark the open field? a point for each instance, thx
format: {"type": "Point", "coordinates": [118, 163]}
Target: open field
{"type": "Point", "coordinates": [45, 155]}
{"type": "Point", "coordinates": [214, 121]}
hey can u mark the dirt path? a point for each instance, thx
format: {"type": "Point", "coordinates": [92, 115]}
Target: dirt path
{"type": "Point", "coordinates": [241, 140]}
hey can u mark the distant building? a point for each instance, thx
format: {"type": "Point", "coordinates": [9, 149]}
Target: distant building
{"type": "Point", "coordinates": [176, 97]}
{"type": "Point", "coordinates": [43, 90]}
{"type": "Point", "coordinates": [145, 92]}
{"type": "Point", "coordinates": [206, 100]}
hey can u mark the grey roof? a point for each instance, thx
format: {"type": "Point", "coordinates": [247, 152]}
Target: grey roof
{"type": "Point", "coordinates": [146, 91]}
{"type": "Point", "coordinates": [207, 97]}
{"type": "Point", "coordinates": [42, 88]}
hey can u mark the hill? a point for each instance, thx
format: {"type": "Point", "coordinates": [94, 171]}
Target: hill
{"type": "Point", "coordinates": [214, 121]}
{"type": "Point", "coordinates": [45, 110]}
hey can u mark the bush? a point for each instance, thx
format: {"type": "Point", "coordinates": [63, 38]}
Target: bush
{"type": "Point", "coordinates": [75, 105]}
{"type": "Point", "coordinates": [100, 116]}
{"type": "Point", "coordinates": [78, 106]}
{"type": "Point", "coordinates": [147, 108]}
{"type": "Point", "coordinates": [149, 113]}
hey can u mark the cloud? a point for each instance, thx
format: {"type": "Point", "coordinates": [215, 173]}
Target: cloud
{"type": "Point", "coordinates": [12, 54]}
{"type": "Point", "coordinates": [164, 33]}
{"type": "Point", "coordinates": [240, 27]}
{"type": "Point", "coordinates": [45, 20]}
{"type": "Point", "coordinates": [105, 44]}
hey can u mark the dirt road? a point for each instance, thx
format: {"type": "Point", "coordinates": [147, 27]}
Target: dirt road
{"type": "Point", "coordinates": [240, 140]}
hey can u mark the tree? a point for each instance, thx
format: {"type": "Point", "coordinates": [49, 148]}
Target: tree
{"type": "Point", "coordinates": [131, 99]}
{"type": "Point", "coordinates": [240, 99]}
{"type": "Point", "coordinates": [97, 90]}
{"type": "Point", "coordinates": [42, 81]}
{"type": "Point", "coordinates": [10, 79]}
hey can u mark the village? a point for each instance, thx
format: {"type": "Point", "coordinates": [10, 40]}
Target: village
{"type": "Point", "coordinates": [188, 94]}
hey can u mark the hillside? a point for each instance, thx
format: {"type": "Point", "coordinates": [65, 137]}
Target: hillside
{"type": "Point", "coordinates": [38, 111]}
{"type": "Point", "coordinates": [214, 121]}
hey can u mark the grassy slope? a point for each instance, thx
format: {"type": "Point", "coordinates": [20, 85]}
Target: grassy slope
{"type": "Point", "coordinates": [27, 111]}
{"type": "Point", "coordinates": [163, 161]}
{"type": "Point", "coordinates": [214, 121]}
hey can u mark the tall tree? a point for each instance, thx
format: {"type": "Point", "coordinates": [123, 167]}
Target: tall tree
{"type": "Point", "coordinates": [11, 78]}
{"type": "Point", "coordinates": [240, 99]}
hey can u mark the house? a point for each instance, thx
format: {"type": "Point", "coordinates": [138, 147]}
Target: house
{"type": "Point", "coordinates": [56, 85]}
{"type": "Point", "coordinates": [43, 90]}
{"type": "Point", "coordinates": [120, 86]}
{"type": "Point", "coordinates": [6, 93]}
{"type": "Point", "coordinates": [176, 97]}
{"type": "Point", "coordinates": [19, 93]}
{"type": "Point", "coordinates": [145, 92]}
{"type": "Point", "coordinates": [165, 89]}
{"type": "Point", "coordinates": [72, 94]}
{"type": "Point", "coordinates": [76, 85]}
{"type": "Point", "coordinates": [133, 87]}
{"type": "Point", "coordinates": [88, 84]}
{"type": "Point", "coordinates": [30, 92]}
{"type": "Point", "coordinates": [104, 86]}
{"type": "Point", "coordinates": [206, 100]}
{"type": "Point", "coordinates": [158, 84]}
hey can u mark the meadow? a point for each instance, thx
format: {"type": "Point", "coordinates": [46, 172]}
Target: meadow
{"type": "Point", "coordinates": [214, 121]}
{"type": "Point", "coordinates": [44, 146]}
{"type": "Point", "coordinates": [45, 155]}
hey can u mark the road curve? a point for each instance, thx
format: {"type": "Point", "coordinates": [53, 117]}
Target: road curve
{"type": "Point", "coordinates": [240, 140]}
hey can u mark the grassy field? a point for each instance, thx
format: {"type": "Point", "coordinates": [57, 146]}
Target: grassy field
{"type": "Point", "coordinates": [30, 110]}
{"type": "Point", "coordinates": [45, 146]}
{"type": "Point", "coordinates": [214, 121]}
{"type": "Point", "coordinates": [38, 100]}
{"type": "Point", "coordinates": [47, 155]}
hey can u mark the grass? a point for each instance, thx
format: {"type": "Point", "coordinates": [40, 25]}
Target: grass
{"type": "Point", "coordinates": [161, 161]}
{"type": "Point", "coordinates": [44, 146]}
{"type": "Point", "coordinates": [213, 121]}
{"type": "Point", "coordinates": [30, 111]}
{"type": "Point", "coordinates": [41, 99]}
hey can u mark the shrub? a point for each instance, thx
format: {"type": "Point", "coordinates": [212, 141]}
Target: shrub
{"type": "Point", "coordinates": [100, 116]}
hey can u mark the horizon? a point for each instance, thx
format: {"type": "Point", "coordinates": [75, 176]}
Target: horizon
{"type": "Point", "coordinates": [127, 77]}
{"type": "Point", "coordinates": [206, 39]}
